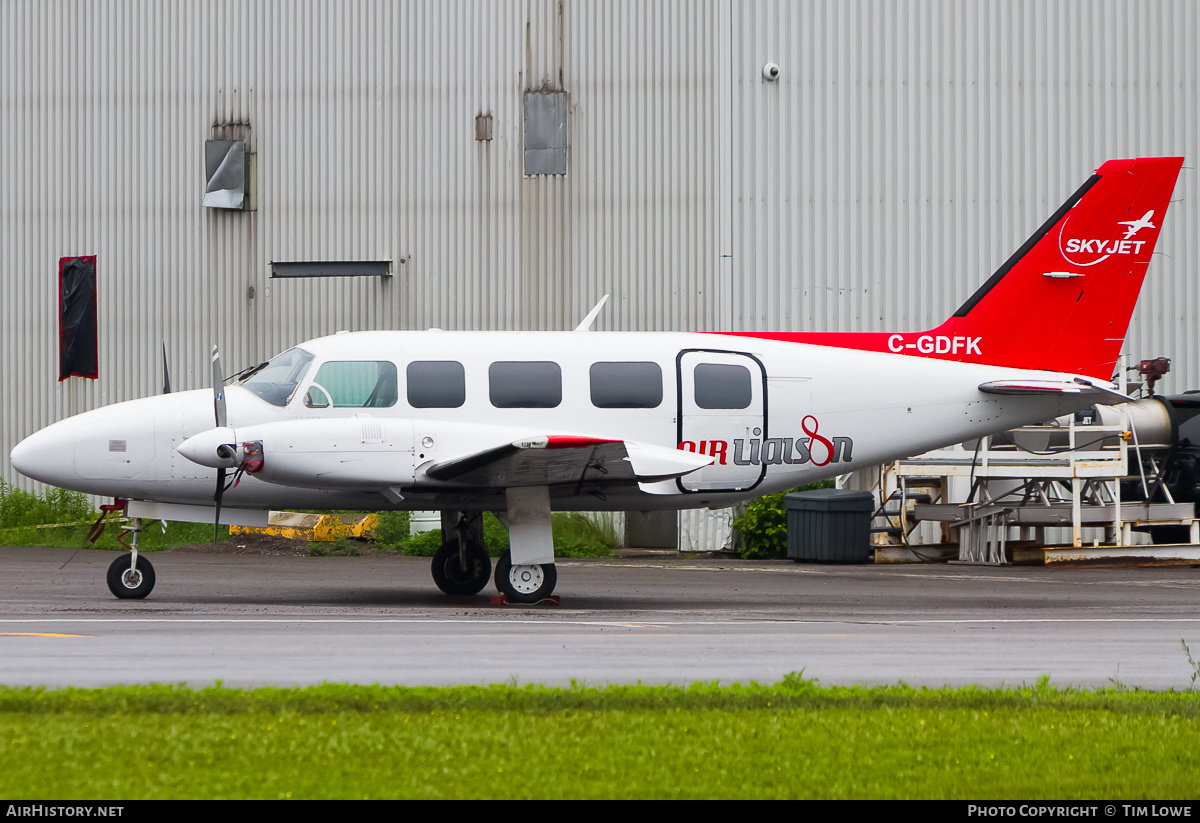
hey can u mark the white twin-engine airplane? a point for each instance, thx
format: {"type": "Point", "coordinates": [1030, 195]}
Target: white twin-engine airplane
{"type": "Point", "coordinates": [520, 423]}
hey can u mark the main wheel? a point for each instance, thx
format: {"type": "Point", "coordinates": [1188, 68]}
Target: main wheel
{"type": "Point", "coordinates": [448, 571]}
{"type": "Point", "coordinates": [127, 582]}
{"type": "Point", "coordinates": [525, 584]}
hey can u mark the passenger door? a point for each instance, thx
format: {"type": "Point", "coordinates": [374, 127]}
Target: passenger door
{"type": "Point", "coordinates": [722, 413]}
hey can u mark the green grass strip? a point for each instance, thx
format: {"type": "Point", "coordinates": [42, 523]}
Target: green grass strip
{"type": "Point", "coordinates": [793, 739]}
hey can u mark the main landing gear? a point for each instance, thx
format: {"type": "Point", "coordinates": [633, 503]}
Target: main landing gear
{"type": "Point", "coordinates": [462, 567]}
{"type": "Point", "coordinates": [529, 583]}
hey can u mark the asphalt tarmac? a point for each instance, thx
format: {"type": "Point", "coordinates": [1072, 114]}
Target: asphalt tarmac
{"type": "Point", "coordinates": [288, 620]}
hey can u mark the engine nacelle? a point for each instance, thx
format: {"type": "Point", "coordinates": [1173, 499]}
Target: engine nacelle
{"type": "Point", "coordinates": [360, 453]}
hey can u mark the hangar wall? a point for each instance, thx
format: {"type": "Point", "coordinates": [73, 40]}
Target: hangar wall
{"type": "Point", "coordinates": [905, 151]}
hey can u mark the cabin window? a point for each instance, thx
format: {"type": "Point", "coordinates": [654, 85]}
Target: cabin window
{"type": "Point", "coordinates": [635, 385]}
{"type": "Point", "coordinates": [275, 380]}
{"type": "Point", "coordinates": [722, 386]}
{"type": "Point", "coordinates": [525, 385]}
{"type": "Point", "coordinates": [436, 384]}
{"type": "Point", "coordinates": [353, 384]}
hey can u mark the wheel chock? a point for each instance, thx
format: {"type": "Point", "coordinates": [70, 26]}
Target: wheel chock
{"type": "Point", "coordinates": [502, 600]}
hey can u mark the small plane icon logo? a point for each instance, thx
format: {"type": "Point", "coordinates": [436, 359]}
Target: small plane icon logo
{"type": "Point", "coordinates": [1137, 225]}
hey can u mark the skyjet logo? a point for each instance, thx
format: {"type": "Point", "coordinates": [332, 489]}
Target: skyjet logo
{"type": "Point", "coordinates": [1137, 225]}
{"type": "Point", "coordinates": [1089, 251]}
{"type": "Point", "coordinates": [777, 451]}
{"type": "Point", "coordinates": [1105, 247]}
{"type": "Point", "coordinates": [936, 344]}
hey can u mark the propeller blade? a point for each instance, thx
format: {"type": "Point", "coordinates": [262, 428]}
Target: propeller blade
{"type": "Point", "coordinates": [218, 389]}
{"type": "Point", "coordinates": [217, 498]}
{"type": "Point", "coordinates": [219, 412]}
{"type": "Point", "coordinates": [166, 374]}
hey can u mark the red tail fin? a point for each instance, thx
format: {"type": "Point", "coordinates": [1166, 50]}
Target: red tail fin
{"type": "Point", "coordinates": [1063, 301]}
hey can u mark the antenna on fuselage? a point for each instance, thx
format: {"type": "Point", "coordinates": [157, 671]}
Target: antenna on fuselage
{"type": "Point", "coordinates": [586, 325]}
{"type": "Point", "coordinates": [166, 372]}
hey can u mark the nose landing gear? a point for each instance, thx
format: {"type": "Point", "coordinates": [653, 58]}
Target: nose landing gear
{"type": "Point", "coordinates": [132, 577]}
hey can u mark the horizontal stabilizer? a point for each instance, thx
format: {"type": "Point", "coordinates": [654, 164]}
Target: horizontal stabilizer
{"type": "Point", "coordinates": [1043, 387]}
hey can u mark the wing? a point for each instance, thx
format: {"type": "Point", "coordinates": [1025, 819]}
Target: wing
{"type": "Point", "coordinates": [371, 454]}
{"type": "Point", "coordinates": [565, 459]}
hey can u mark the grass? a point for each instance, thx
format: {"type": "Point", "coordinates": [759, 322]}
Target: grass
{"type": "Point", "coordinates": [74, 536]}
{"type": "Point", "coordinates": [579, 535]}
{"type": "Point", "coordinates": [793, 739]}
{"type": "Point", "coordinates": [575, 535]}
{"type": "Point", "coordinates": [61, 519]}
{"type": "Point", "coordinates": [22, 508]}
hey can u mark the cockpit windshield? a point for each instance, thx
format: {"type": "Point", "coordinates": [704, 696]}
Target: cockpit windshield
{"type": "Point", "coordinates": [275, 380]}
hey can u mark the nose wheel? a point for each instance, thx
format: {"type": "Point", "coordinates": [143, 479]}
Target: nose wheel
{"type": "Point", "coordinates": [130, 577]}
{"type": "Point", "coordinates": [525, 583]}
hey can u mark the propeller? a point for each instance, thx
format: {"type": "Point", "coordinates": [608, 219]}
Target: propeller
{"type": "Point", "coordinates": [220, 448]}
{"type": "Point", "coordinates": [218, 388]}
{"type": "Point", "coordinates": [225, 451]}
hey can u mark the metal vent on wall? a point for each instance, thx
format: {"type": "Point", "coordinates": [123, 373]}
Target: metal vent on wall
{"type": "Point", "coordinates": [225, 174]}
{"type": "Point", "coordinates": [545, 133]}
{"type": "Point", "coordinates": [331, 268]}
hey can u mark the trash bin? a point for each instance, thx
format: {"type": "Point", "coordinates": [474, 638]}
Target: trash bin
{"type": "Point", "coordinates": [829, 526]}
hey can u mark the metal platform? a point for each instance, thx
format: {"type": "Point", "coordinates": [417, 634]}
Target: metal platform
{"type": "Point", "coordinates": [1027, 554]}
{"type": "Point", "coordinates": [1017, 489]}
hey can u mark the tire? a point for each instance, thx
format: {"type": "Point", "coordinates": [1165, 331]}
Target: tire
{"type": "Point", "coordinates": [130, 586]}
{"type": "Point", "coordinates": [449, 575]}
{"type": "Point", "coordinates": [525, 584]}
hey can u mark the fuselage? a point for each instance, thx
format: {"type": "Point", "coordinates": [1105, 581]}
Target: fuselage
{"type": "Point", "coordinates": [771, 416]}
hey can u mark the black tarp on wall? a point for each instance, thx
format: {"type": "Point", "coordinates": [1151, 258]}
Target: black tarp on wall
{"type": "Point", "coordinates": [77, 342]}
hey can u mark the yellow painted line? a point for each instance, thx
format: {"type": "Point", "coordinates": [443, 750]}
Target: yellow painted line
{"type": "Point", "coordinates": [40, 634]}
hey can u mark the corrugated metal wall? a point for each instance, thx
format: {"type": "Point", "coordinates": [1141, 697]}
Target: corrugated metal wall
{"type": "Point", "coordinates": [905, 151]}
{"type": "Point", "coordinates": [909, 148]}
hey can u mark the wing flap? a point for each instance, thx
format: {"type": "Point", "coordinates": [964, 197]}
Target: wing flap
{"type": "Point", "coordinates": [562, 459]}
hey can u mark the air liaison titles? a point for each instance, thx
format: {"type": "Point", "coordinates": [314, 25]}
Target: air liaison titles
{"type": "Point", "coordinates": [776, 451]}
